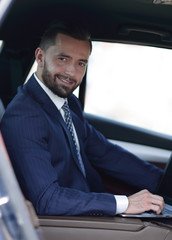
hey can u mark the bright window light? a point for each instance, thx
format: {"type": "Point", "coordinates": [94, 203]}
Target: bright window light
{"type": "Point", "coordinates": [1, 42]}
{"type": "Point", "coordinates": [1, 45]}
{"type": "Point", "coordinates": [131, 84]}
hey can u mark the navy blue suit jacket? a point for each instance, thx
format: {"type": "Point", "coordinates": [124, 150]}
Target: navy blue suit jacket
{"type": "Point", "coordinates": [39, 146]}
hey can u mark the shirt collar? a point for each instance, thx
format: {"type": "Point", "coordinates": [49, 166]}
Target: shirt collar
{"type": "Point", "coordinates": [58, 101]}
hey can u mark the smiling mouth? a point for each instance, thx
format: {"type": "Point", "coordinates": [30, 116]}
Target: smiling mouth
{"type": "Point", "coordinates": [65, 80]}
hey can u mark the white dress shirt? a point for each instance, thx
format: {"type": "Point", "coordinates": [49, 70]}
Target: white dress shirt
{"type": "Point", "coordinates": [121, 200]}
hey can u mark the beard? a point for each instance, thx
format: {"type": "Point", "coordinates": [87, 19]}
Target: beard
{"type": "Point", "coordinates": [50, 82]}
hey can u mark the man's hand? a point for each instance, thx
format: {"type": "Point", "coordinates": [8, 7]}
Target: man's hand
{"type": "Point", "coordinates": [144, 201]}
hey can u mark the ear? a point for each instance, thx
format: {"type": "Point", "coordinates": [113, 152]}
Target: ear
{"type": "Point", "coordinates": [39, 55]}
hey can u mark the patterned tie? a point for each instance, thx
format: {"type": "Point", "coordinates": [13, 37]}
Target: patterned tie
{"type": "Point", "coordinates": [68, 120]}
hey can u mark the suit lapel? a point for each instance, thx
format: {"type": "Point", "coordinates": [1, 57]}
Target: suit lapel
{"type": "Point", "coordinates": [40, 97]}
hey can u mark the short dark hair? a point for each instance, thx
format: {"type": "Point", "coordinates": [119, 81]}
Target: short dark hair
{"type": "Point", "coordinates": [69, 29]}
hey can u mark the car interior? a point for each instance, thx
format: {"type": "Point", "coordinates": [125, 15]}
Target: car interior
{"type": "Point", "coordinates": [135, 22]}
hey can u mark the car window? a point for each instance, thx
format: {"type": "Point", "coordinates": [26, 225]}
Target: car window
{"type": "Point", "coordinates": [131, 84]}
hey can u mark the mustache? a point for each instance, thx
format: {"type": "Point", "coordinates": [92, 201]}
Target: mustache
{"type": "Point", "coordinates": [66, 77]}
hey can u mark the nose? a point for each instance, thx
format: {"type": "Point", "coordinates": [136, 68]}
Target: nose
{"type": "Point", "coordinates": [70, 69]}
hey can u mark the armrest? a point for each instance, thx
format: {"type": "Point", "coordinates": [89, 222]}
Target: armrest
{"type": "Point", "coordinates": [86, 228]}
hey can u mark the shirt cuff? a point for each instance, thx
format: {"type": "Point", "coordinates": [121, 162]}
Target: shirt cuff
{"type": "Point", "coordinates": [121, 203]}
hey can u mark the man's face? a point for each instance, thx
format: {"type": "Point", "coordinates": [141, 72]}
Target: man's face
{"type": "Point", "coordinates": [64, 65]}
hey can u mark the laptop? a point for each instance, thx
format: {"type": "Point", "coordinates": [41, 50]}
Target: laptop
{"type": "Point", "coordinates": [164, 189]}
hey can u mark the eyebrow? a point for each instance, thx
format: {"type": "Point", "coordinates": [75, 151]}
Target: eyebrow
{"type": "Point", "coordinates": [67, 56]}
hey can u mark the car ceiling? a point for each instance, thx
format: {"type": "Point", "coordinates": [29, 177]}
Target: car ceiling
{"type": "Point", "coordinates": [109, 20]}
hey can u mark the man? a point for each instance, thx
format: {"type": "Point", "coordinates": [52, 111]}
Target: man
{"type": "Point", "coordinates": [55, 159]}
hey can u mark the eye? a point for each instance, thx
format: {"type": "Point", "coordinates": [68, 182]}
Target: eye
{"type": "Point", "coordinates": [62, 59]}
{"type": "Point", "coordinates": [82, 64]}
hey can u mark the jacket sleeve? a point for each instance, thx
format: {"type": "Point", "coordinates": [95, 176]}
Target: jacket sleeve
{"type": "Point", "coordinates": [115, 161]}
